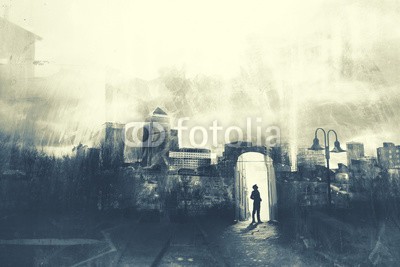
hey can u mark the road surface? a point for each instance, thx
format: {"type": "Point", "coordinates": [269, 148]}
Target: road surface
{"type": "Point", "coordinates": [76, 240]}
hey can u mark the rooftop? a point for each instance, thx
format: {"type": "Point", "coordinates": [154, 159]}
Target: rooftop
{"type": "Point", "coordinates": [8, 23]}
{"type": "Point", "coordinates": [159, 111]}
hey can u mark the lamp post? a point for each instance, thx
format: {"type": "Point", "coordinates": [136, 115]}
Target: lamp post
{"type": "Point", "coordinates": [336, 149]}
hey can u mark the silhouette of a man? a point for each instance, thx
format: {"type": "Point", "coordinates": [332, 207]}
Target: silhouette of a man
{"type": "Point", "coordinates": [255, 196]}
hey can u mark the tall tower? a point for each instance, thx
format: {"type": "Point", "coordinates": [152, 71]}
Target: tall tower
{"type": "Point", "coordinates": [156, 136]}
{"type": "Point", "coordinates": [354, 151]}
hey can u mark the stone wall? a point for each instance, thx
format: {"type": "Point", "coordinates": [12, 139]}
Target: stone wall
{"type": "Point", "coordinates": [198, 195]}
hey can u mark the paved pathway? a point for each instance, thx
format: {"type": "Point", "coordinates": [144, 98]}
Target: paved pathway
{"type": "Point", "coordinates": [188, 248]}
{"type": "Point", "coordinates": [243, 244]}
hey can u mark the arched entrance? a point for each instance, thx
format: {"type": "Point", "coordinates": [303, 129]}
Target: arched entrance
{"type": "Point", "coordinates": [255, 168]}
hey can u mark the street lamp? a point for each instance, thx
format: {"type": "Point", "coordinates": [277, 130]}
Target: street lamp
{"type": "Point", "coordinates": [336, 149]}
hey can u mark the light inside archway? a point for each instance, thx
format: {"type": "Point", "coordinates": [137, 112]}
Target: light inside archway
{"type": "Point", "coordinates": [252, 166]}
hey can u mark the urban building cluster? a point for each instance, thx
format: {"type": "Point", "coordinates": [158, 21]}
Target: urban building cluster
{"type": "Point", "coordinates": [156, 148]}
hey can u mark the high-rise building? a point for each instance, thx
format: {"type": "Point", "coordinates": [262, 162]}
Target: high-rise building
{"type": "Point", "coordinates": [355, 151]}
{"type": "Point", "coordinates": [189, 158]}
{"type": "Point", "coordinates": [158, 139]}
{"type": "Point", "coordinates": [389, 156]}
{"type": "Point", "coordinates": [17, 58]}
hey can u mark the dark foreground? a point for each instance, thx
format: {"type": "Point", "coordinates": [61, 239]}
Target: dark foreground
{"type": "Point", "coordinates": [98, 240]}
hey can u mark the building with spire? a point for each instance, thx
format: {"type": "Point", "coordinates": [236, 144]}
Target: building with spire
{"type": "Point", "coordinates": [158, 139]}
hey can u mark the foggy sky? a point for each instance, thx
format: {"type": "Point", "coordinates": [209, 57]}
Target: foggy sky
{"type": "Point", "coordinates": [299, 65]}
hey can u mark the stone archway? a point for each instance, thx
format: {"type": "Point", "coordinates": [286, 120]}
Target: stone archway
{"type": "Point", "coordinates": [231, 155]}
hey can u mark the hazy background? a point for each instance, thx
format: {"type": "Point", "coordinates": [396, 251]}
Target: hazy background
{"type": "Point", "coordinates": [296, 64]}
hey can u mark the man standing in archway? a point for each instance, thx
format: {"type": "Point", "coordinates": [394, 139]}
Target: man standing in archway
{"type": "Point", "coordinates": [255, 196]}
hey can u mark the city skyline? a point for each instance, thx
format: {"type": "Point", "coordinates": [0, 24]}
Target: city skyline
{"type": "Point", "coordinates": [156, 145]}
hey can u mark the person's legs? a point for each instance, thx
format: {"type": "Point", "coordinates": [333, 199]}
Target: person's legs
{"type": "Point", "coordinates": [254, 212]}
{"type": "Point", "coordinates": [258, 213]}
